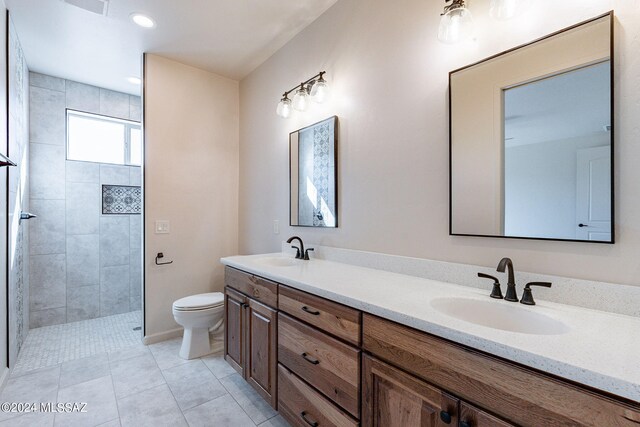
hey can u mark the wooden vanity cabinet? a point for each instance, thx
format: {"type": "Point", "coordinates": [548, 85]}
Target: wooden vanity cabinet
{"type": "Point", "coordinates": [470, 416]}
{"type": "Point", "coordinates": [392, 398]}
{"type": "Point", "coordinates": [234, 320]}
{"type": "Point", "coordinates": [251, 333]}
{"type": "Point", "coordinates": [512, 392]}
{"type": "Point", "coordinates": [325, 364]}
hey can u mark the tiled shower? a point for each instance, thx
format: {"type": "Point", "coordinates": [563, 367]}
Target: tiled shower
{"type": "Point", "coordinates": [83, 264]}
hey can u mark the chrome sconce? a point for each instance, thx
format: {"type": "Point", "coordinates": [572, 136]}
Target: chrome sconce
{"type": "Point", "coordinates": [315, 88]}
{"type": "Point", "coordinates": [456, 22]}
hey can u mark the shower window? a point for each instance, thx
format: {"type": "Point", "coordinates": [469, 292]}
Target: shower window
{"type": "Point", "coordinates": [103, 139]}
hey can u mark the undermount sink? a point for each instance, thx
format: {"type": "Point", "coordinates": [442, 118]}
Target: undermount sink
{"type": "Point", "coordinates": [278, 261]}
{"type": "Point", "coordinates": [500, 315]}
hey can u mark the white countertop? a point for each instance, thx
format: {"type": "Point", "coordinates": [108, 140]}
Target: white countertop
{"type": "Point", "coordinates": [601, 350]}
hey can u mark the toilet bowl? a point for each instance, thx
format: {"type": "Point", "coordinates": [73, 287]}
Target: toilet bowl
{"type": "Point", "coordinates": [197, 314]}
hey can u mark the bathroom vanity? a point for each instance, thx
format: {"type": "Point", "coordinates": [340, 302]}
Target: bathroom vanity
{"type": "Point", "coordinates": [327, 343]}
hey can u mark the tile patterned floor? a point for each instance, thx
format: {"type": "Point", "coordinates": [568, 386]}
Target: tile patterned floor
{"type": "Point", "coordinates": [139, 386]}
{"type": "Point", "coordinates": [52, 345]}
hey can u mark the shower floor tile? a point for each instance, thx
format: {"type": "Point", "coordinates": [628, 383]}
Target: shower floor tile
{"type": "Point", "coordinates": [52, 345]}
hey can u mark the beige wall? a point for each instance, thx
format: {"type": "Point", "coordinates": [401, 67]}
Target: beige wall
{"type": "Point", "coordinates": [191, 179]}
{"type": "Point", "coordinates": [389, 78]}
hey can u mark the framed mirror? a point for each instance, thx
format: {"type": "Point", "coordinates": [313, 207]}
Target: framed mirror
{"type": "Point", "coordinates": [531, 139]}
{"type": "Point", "coordinates": [312, 175]}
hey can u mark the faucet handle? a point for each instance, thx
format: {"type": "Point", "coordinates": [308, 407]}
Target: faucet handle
{"type": "Point", "coordinates": [306, 254]}
{"type": "Point", "coordinates": [298, 254]}
{"type": "Point", "coordinates": [496, 292]}
{"type": "Point", "coordinates": [527, 295]}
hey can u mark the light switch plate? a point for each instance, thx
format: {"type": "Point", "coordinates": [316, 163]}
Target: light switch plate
{"type": "Point", "coordinates": [276, 226]}
{"type": "Point", "coordinates": [163, 226]}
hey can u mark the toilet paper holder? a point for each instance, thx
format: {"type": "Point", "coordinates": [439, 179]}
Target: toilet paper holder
{"type": "Point", "coordinates": [160, 255]}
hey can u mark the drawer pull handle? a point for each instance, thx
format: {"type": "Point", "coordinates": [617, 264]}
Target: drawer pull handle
{"type": "Point", "coordinates": [303, 415]}
{"type": "Point", "coordinates": [308, 310]}
{"type": "Point", "coordinates": [445, 417]}
{"type": "Point", "coordinates": [306, 357]}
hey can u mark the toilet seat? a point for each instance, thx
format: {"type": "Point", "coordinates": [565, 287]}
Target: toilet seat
{"type": "Point", "coordinates": [199, 302]}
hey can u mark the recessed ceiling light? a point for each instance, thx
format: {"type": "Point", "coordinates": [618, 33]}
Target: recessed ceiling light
{"type": "Point", "coordinates": [142, 20]}
{"type": "Point", "coordinates": [134, 80]}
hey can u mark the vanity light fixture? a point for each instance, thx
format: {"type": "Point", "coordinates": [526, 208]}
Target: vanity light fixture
{"type": "Point", "coordinates": [142, 20]}
{"type": "Point", "coordinates": [134, 80]}
{"type": "Point", "coordinates": [506, 9]}
{"type": "Point", "coordinates": [456, 22]}
{"type": "Point", "coordinates": [315, 88]}
{"type": "Point", "coordinates": [301, 98]}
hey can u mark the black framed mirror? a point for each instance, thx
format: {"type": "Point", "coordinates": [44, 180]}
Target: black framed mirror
{"type": "Point", "coordinates": [313, 185]}
{"type": "Point", "coordinates": [531, 139]}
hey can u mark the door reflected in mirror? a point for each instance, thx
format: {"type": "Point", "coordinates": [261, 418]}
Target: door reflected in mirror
{"type": "Point", "coordinates": [531, 139]}
{"type": "Point", "coordinates": [313, 185]}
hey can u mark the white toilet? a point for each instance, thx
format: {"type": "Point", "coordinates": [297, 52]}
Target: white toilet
{"type": "Point", "coordinates": [198, 314]}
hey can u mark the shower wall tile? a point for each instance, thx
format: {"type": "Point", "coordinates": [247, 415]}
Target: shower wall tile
{"type": "Point", "coordinates": [52, 316]}
{"type": "Point", "coordinates": [83, 97]}
{"type": "Point", "coordinates": [83, 172]}
{"type": "Point", "coordinates": [114, 175]}
{"type": "Point", "coordinates": [47, 231]}
{"type": "Point", "coordinates": [83, 208]}
{"type": "Point", "coordinates": [135, 175]}
{"type": "Point", "coordinates": [46, 82]}
{"type": "Point", "coordinates": [83, 303]}
{"type": "Point", "coordinates": [135, 108]}
{"type": "Point", "coordinates": [48, 281]}
{"type": "Point", "coordinates": [46, 116]}
{"type": "Point", "coordinates": [102, 254]}
{"type": "Point", "coordinates": [135, 231]}
{"type": "Point", "coordinates": [114, 290]}
{"type": "Point", "coordinates": [114, 241]}
{"type": "Point", "coordinates": [114, 104]}
{"type": "Point", "coordinates": [83, 260]}
{"type": "Point", "coordinates": [47, 171]}
{"type": "Point", "coordinates": [135, 280]}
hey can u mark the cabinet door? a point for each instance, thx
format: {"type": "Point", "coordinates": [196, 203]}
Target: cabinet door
{"type": "Point", "coordinates": [393, 398]}
{"type": "Point", "coordinates": [470, 416]}
{"type": "Point", "coordinates": [234, 319]}
{"type": "Point", "coordinates": [261, 358]}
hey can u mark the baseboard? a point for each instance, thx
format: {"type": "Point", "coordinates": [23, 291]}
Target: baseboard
{"type": "Point", "coordinates": [162, 336]}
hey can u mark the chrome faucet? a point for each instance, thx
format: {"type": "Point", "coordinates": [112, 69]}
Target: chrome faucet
{"type": "Point", "coordinates": [299, 250]}
{"type": "Point", "coordinates": [511, 295]}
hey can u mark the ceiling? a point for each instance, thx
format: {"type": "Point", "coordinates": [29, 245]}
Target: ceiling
{"type": "Point", "coordinates": [227, 37]}
{"type": "Point", "coordinates": [569, 105]}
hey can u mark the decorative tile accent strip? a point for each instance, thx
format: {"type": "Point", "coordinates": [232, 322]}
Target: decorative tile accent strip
{"type": "Point", "coordinates": [121, 200]}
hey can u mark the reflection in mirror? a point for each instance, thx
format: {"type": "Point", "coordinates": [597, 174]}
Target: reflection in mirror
{"type": "Point", "coordinates": [312, 159]}
{"type": "Point", "coordinates": [531, 140]}
{"type": "Point", "coordinates": [557, 156]}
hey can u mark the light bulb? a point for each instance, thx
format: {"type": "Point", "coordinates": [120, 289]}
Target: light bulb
{"type": "Point", "coordinates": [320, 91]}
{"type": "Point", "coordinates": [506, 9]}
{"type": "Point", "coordinates": [284, 108]}
{"type": "Point", "coordinates": [301, 99]}
{"type": "Point", "coordinates": [456, 24]}
{"type": "Point", "coordinates": [143, 20]}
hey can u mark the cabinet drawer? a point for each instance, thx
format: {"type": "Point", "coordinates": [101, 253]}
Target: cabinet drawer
{"type": "Point", "coordinates": [302, 406]}
{"type": "Point", "coordinates": [257, 288]}
{"type": "Point", "coordinates": [520, 395]}
{"type": "Point", "coordinates": [329, 365]}
{"type": "Point", "coordinates": [475, 417]}
{"type": "Point", "coordinates": [334, 318]}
